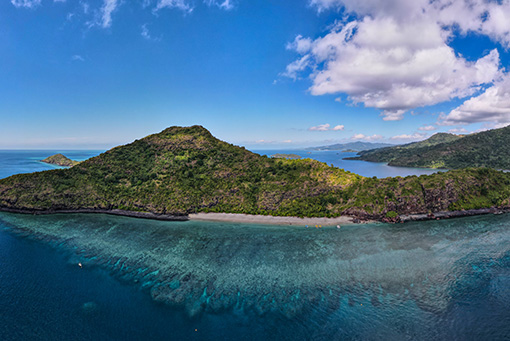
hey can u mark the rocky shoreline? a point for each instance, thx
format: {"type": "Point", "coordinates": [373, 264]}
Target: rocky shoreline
{"type": "Point", "coordinates": [451, 214]}
{"type": "Point", "coordinates": [132, 214]}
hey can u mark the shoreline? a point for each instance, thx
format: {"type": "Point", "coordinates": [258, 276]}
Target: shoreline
{"type": "Point", "coordinates": [131, 214]}
{"type": "Point", "coordinates": [268, 219]}
{"type": "Point", "coordinates": [274, 220]}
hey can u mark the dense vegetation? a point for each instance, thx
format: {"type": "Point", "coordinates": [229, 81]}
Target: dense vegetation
{"type": "Point", "coordinates": [60, 160]}
{"type": "Point", "coordinates": [484, 149]}
{"type": "Point", "coordinates": [186, 170]}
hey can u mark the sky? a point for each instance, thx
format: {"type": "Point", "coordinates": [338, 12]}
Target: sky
{"type": "Point", "coordinates": [265, 74]}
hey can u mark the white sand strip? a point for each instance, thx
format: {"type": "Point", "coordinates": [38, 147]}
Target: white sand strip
{"type": "Point", "coordinates": [270, 220]}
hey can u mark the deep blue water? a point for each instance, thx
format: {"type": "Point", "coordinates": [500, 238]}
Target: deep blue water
{"type": "Point", "coordinates": [368, 169]}
{"type": "Point", "coordinates": [28, 161]}
{"type": "Point", "coordinates": [143, 279]}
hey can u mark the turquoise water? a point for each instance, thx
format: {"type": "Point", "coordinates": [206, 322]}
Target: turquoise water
{"type": "Point", "coordinates": [438, 280]}
{"type": "Point", "coordinates": [143, 279]}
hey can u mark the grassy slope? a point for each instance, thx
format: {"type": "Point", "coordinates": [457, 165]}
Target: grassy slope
{"type": "Point", "coordinates": [485, 149]}
{"type": "Point", "coordinates": [185, 170]}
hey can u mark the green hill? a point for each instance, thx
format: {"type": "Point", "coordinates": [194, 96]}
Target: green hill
{"type": "Point", "coordinates": [484, 149]}
{"type": "Point", "coordinates": [60, 160]}
{"type": "Point", "coordinates": [186, 170]}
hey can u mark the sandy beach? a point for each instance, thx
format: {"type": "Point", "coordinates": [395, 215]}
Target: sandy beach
{"type": "Point", "coordinates": [271, 220]}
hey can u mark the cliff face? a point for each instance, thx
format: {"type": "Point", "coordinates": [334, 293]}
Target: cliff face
{"type": "Point", "coordinates": [187, 170]}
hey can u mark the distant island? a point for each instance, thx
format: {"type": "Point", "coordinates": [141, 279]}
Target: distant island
{"type": "Point", "coordinates": [60, 160]}
{"type": "Point", "coordinates": [286, 156]}
{"type": "Point", "coordinates": [484, 149]}
{"type": "Point", "coordinates": [185, 170]}
{"type": "Point", "coordinates": [352, 146]}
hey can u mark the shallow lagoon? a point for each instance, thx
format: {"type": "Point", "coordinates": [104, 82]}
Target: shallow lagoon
{"type": "Point", "coordinates": [439, 279]}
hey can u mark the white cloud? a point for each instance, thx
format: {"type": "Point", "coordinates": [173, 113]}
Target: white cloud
{"type": "Point", "coordinates": [493, 105]}
{"type": "Point", "coordinates": [384, 60]}
{"type": "Point", "coordinates": [300, 44]}
{"type": "Point", "coordinates": [296, 66]}
{"type": "Point", "coordinates": [409, 137]}
{"type": "Point", "coordinates": [363, 137]}
{"type": "Point", "coordinates": [458, 131]}
{"type": "Point", "coordinates": [103, 17]}
{"type": "Point", "coordinates": [391, 66]}
{"type": "Point", "coordinates": [106, 12]}
{"type": "Point", "coordinates": [287, 141]}
{"type": "Point", "coordinates": [326, 127]}
{"type": "Point", "coordinates": [225, 4]}
{"type": "Point", "coordinates": [26, 3]}
{"type": "Point", "coordinates": [427, 128]}
{"type": "Point", "coordinates": [179, 4]}
{"type": "Point", "coordinates": [320, 127]}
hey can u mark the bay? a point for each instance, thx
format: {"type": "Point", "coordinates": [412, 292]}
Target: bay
{"type": "Point", "coordinates": [363, 168]}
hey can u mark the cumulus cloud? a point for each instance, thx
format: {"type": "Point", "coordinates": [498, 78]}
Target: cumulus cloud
{"type": "Point", "coordinates": [320, 127]}
{"type": "Point", "coordinates": [427, 128]}
{"type": "Point", "coordinates": [383, 59]}
{"type": "Point", "coordinates": [493, 105]}
{"type": "Point", "coordinates": [363, 137]}
{"type": "Point", "coordinates": [326, 127]}
{"type": "Point", "coordinates": [26, 3]}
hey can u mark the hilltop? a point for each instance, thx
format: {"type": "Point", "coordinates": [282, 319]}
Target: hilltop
{"type": "Point", "coordinates": [484, 149]}
{"type": "Point", "coordinates": [60, 160]}
{"type": "Point", "coordinates": [352, 146]}
{"type": "Point", "coordinates": [185, 170]}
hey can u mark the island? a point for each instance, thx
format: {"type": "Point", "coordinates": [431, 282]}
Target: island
{"type": "Point", "coordinates": [484, 149]}
{"type": "Point", "coordinates": [186, 170]}
{"type": "Point", "coordinates": [60, 160]}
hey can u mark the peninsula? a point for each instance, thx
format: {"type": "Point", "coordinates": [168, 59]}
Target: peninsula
{"type": "Point", "coordinates": [60, 160]}
{"type": "Point", "coordinates": [186, 170]}
{"type": "Point", "coordinates": [442, 150]}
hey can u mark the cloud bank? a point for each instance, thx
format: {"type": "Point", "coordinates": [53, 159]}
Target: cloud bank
{"type": "Point", "coordinates": [394, 56]}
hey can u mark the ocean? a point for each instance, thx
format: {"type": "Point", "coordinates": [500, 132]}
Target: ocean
{"type": "Point", "coordinates": [142, 279]}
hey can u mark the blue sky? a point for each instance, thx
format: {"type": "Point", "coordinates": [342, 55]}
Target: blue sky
{"type": "Point", "coordinates": [264, 74]}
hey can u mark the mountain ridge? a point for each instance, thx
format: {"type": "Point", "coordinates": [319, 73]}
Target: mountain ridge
{"type": "Point", "coordinates": [482, 149]}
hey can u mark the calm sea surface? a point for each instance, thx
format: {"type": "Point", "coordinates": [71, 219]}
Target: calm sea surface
{"type": "Point", "coordinates": [368, 169]}
{"type": "Point", "coordinates": [143, 279]}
